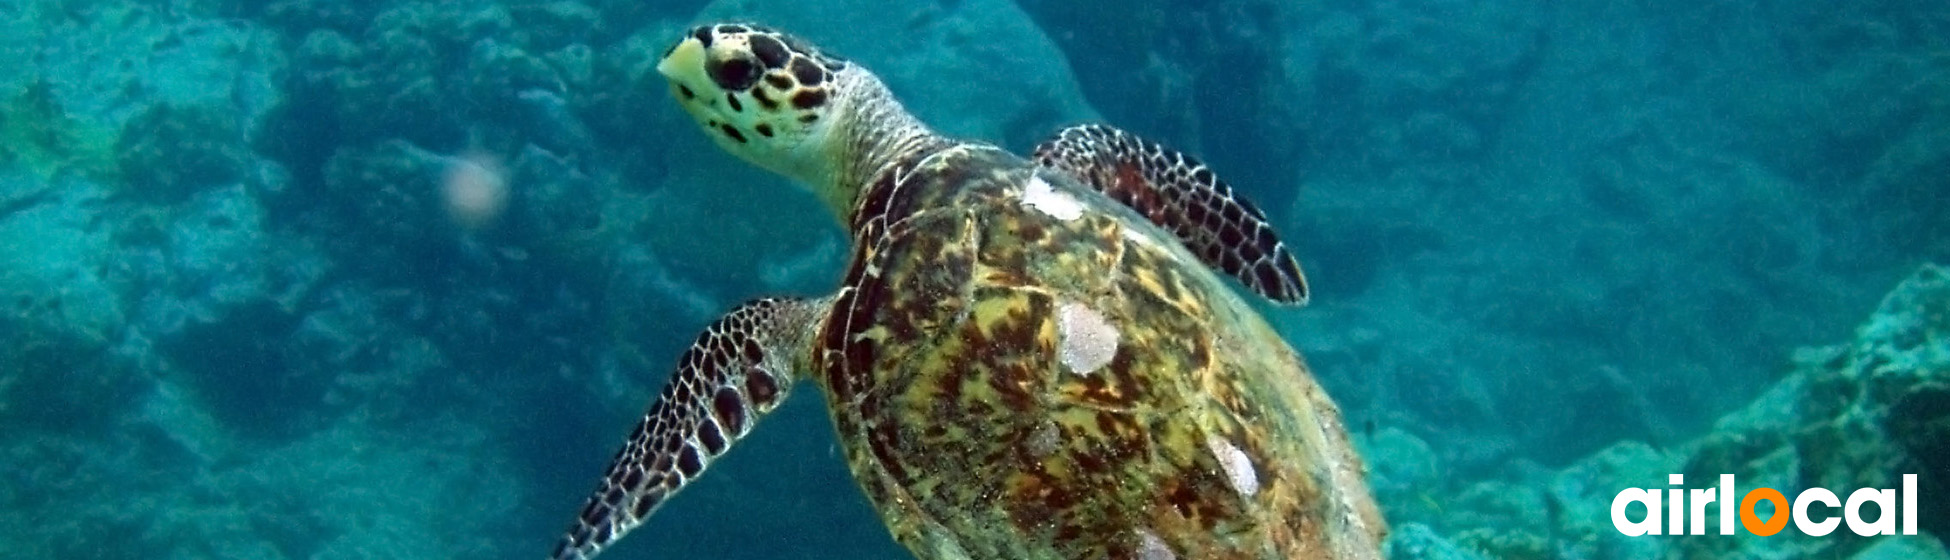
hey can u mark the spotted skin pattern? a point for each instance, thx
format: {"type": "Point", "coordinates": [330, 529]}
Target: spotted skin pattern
{"type": "Point", "coordinates": [736, 372]}
{"type": "Point", "coordinates": [1178, 193]}
{"type": "Point", "coordinates": [950, 353]}
{"type": "Point", "coordinates": [777, 87]}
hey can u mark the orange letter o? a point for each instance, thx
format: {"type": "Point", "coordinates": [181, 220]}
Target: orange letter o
{"type": "Point", "coordinates": [1773, 524]}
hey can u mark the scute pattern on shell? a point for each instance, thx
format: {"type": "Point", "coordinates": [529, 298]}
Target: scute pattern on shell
{"type": "Point", "coordinates": [941, 356]}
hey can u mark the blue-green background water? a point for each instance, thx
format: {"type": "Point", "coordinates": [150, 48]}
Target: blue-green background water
{"type": "Point", "coordinates": [1548, 238]}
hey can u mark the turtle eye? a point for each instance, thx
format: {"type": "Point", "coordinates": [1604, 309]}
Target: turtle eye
{"type": "Point", "coordinates": [735, 74]}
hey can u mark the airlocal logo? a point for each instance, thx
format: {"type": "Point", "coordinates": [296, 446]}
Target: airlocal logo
{"type": "Point", "coordinates": [1885, 501]}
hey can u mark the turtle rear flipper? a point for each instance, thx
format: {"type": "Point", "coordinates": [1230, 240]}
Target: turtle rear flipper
{"type": "Point", "coordinates": [1177, 192]}
{"type": "Point", "coordinates": [738, 370]}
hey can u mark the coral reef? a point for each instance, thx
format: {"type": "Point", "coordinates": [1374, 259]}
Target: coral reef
{"type": "Point", "coordinates": [152, 296]}
{"type": "Point", "coordinates": [169, 152]}
{"type": "Point", "coordinates": [170, 482]}
{"type": "Point", "coordinates": [1849, 416]}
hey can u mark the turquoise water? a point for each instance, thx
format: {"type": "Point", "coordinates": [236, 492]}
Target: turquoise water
{"type": "Point", "coordinates": [1559, 249]}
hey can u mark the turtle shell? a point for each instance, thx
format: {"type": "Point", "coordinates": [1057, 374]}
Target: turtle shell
{"type": "Point", "coordinates": [1020, 368]}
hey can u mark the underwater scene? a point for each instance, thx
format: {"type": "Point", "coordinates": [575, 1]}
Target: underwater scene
{"type": "Point", "coordinates": [343, 279]}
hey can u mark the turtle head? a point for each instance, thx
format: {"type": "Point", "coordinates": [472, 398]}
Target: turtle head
{"type": "Point", "coordinates": [766, 96]}
{"type": "Point", "coordinates": [778, 102]}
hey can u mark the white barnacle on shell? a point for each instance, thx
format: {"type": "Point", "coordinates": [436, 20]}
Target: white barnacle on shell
{"type": "Point", "coordinates": [1041, 195]}
{"type": "Point", "coordinates": [1085, 340]}
{"type": "Point", "coordinates": [1238, 466]}
{"type": "Point", "coordinates": [1044, 440]}
{"type": "Point", "coordinates": [1150, 547]}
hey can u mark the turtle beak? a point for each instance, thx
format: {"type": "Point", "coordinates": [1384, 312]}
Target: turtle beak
{"type": "Point", "coordinates": [684, 61]}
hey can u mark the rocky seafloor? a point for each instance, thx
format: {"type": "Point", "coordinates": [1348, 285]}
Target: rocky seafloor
{"type": "Point", "coordinates": [1561, 248]}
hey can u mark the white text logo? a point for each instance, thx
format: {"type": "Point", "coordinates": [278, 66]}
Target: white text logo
{"type": "Point", "coordinates": [1676, 512]}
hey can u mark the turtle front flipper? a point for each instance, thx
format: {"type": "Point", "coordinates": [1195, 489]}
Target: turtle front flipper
{"type": "Point", "coordinates": [738, 370]}
{"type": "Point", "coordinates": [1179, 194]}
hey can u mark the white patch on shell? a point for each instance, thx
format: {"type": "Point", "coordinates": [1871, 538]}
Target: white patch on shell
{"type": "Point", "coordinates": [1085, 341]}
{"type": "Point", "coordinates": [1039, 194]}
{"type": "Point", "coordinates": [1238, 467]}
{"type": "Point", "coordinates": [1150, 547]}
{"type": "Point", "coordinates": [1139, 237]}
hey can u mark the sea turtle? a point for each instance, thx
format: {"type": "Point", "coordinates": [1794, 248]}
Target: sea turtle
{"type": "Point", "coordinates": [1027, 358]}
